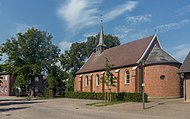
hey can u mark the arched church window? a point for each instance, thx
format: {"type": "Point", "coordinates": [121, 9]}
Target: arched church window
{"type": "Point", "coordinates": [127, 77]}
{"type": "Point", "coordinates": [86, 80]}
{"type": "Point", "coordinates": [97, 80]}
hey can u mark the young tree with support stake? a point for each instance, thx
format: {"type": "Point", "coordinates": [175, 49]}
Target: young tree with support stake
{"type": "Point", "coordinates": [109, 80]}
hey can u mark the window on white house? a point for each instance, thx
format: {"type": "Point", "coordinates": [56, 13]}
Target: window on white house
{"type": "Point", "coordinates": [36, 89]}
{"type": "Point", "coordinates": [36, 79]}
{"type": "Point", "coordinates": [97, 80]}
{"type": "Point", "coordinates": [86, 80]}
{"type": "Point", "coordinates": [127, 77]}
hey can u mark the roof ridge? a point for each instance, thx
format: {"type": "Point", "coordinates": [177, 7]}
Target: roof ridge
{"type": "Point", "coordinates": [130, 42]}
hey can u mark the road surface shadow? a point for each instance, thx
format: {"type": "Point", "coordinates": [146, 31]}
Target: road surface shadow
{"type": "Point", "coordinates": [12, 109]}
{"type": "Point", "coordinates": [17, 103]}
{"type": "Point", "coordinates": [155, 105]}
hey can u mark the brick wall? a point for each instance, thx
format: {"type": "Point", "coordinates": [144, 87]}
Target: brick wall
{"type": "Point", "coordinates": [5, 85]}
{"type": "Point", "coordinates": [120, 87]}
{"type": "Point", "coordinates": [170, 86]}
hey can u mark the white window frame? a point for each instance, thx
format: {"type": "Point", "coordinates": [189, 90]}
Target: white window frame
{"type": "Point", "coordinates": [86, 80]}
{"type": "Point", "coordinates": [97, 80]}
{"type": "Point", "coordinates": [127, 77]}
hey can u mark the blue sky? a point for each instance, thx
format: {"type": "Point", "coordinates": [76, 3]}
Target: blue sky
{"type": "Point", "coordinates": [74, 20]}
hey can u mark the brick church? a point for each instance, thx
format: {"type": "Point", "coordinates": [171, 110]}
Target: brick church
{"type": "Point", "coordinates": [161, 77]}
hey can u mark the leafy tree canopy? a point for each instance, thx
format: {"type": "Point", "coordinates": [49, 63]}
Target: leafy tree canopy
{"type": "Point", "coordinates": [29, 54]}
{"type": "Point", "coordinates": [73, 59]}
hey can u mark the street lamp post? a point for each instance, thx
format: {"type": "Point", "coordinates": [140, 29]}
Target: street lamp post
{"type": "Point", "coordinates": [142, 76]}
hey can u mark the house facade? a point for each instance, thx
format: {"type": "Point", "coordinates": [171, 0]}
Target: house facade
{"type": "Point", "coordinates": [185, 75]}
{"type": "Point", "coordinates": [6, 86]}
{"type": "Point", "coordinates": [37, 84]}
{"type": "Point", "coordinates": [160, 70]}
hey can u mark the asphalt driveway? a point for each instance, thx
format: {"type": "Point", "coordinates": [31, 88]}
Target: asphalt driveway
{"type": "Point", "coordinates": [64, 108]}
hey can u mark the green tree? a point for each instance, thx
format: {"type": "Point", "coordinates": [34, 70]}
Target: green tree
{"type": "Point", "coordinates": [109, 80]}
{"type": "Point", "coordinates": [73, 59]}
{"type": "Point", "coordinates": [29, 55]}
{"type": "Point", "coordinates": [55, 79]}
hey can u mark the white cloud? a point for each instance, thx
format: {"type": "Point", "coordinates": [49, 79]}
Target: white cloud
{"type": "Point", "coordinates": [139, 19]}
{"type": "Point", "coordinates": [183, 10]}
{"type": "Point", "coordinates": [122, 32]}
{"type": "Point", "coordinates": [180, 52]}
{"type": "Point", "coordinates": [127, 34]}
{"type": "Point", "coordinates": [128, 6]}
{"type": "Point", "coordinates": [79, 13]}
{"type": "Point", "coordinates": [64, 45]}
{"type": "Point", "coordinates": [172, 26]}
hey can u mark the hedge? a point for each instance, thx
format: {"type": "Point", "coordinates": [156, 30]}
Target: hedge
{"type": "Point", "coordinates": [123, 96]}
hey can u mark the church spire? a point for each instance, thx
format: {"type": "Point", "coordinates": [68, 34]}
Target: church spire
{"type": "Point", "coordinates": [101, 46]}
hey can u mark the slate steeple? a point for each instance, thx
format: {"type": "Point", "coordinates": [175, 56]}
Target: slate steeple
{"type": "Point", "coordinates": [101, 46]}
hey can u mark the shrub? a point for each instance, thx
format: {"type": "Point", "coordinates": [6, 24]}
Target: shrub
{"type": "Point", "coordinates": [123, 96]}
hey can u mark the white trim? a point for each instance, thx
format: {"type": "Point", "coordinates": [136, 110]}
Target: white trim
{"type": "Point", "coordinates": [91, 74]}
{"type": "Point", "coordinates": [86, 80]}
{"type": "Point", "coordinates": [102, 72]}
{"type": "Point", "coordinates": [158, 41]}
{"type": "Point", "coordinates": [116, 71]}
{"type": "Point", "coordinates": [80, 76]}
{"type": "Point", "coordinates": [135, 67]}
{"type": "Point", "coordinates": [97, 80]}
{"type": "Point", "coordinates": [147, 48]}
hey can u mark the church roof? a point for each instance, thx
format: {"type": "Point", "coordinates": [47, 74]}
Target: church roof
{"type": "Point", "coordinates": [129, 54]}
{"type": "Point", "coordinates": [158, 55]}
{"type": "Point", "coordinates": [185, 67]}
{"type": "Point", "coordinates": [119, 56]}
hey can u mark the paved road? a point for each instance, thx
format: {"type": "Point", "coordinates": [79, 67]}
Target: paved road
{"type": "Point", "coordinates": [14, 108]}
